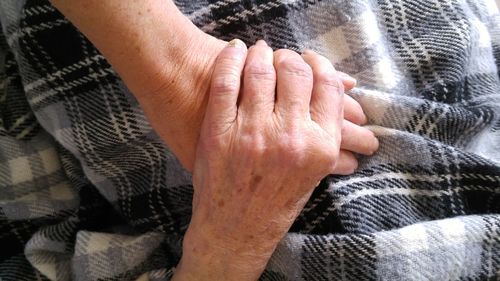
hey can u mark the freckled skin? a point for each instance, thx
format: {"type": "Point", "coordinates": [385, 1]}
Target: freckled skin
{"type": "Point", "coordinates": [167, 63]}
{"type": "Point", "coordinates": [170, 74]}
{"type": "Point", "coordinates": [254, 182]}
{"type": "Point", "coordinates": [220, 203]}
{"type": "Point", "coordinates": [261, 170]}
{"type": "Point", "coordinates": [257, 179]}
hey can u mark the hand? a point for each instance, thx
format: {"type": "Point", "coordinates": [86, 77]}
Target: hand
{"type": "Point", "coordinates": [259, 157]}
{"type": "Point", "coordinates": [167, 63]}
{"type": "Point", "coordinates": [176, 109]}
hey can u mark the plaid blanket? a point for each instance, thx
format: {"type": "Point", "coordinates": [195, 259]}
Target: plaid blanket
{"type": "Point", "coordinates": [89, 192]}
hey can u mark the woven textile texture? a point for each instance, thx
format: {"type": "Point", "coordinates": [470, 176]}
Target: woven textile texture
{"type": "Point", "coordinates": [89, 192]}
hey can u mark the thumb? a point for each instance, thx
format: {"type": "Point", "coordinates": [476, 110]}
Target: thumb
{"type": "Point", "coordinates": [226, 79]}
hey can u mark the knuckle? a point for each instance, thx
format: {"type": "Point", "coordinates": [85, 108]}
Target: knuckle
{"type": "Point", "coordinates": [260, 71]}
{"type": "Point", "coordinates": [294, 147]}
{"type": "Point", "coordinates": [296, 67]}
{"type": "Point", "coordinates": [224, 83]}
{"type": "Point", "coordinates": [252, 144]}
{"type": "Point", "coordinates": [328, 78]}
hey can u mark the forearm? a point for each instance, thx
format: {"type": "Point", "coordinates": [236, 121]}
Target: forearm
{"type": "Point", "coordinates": [161, 56]}
{"type": "Point", "coordinates": [208, 258]}
{"type": "Point", "coordinates": [209, 255]}
{"type": "Point", "coordinates": [135, 36]}
{"type": "Point", "coordinates": [214, 270]}
{"type": "Point", "coordinates": [211, 268]}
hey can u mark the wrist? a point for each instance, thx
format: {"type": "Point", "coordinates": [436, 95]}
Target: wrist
{"type": "Point", "coordinates": [184, 67]}
{"type": "Point", "coordinates": [216, 266]}
{"type": "Point", "coordinates": [211, 257]}
{"type": "Point", "coordinates": [178, 84]}
{"type": "Point", "coordinates": [207, 270]}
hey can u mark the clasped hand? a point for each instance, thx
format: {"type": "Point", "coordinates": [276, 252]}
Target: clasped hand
{"type": "Point", "coordinates": [271, 132]}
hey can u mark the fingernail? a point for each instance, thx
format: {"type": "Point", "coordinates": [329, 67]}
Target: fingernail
{"type": "Point", "coordinates": [375, 144]}
{"type": "Point", "coordinates": [261, 43]}
{"type": "Point", "coordinates": [236, 43]}
{"type": "Point", "coordinates": [308, 51]}
{"type": "Point", "coordinates": [347, 78]}
{"type": "Point", "coordinates": [364, 119]}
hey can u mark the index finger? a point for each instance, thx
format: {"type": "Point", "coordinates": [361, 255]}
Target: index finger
{"type": "Point", "coordinates": [225, 86]}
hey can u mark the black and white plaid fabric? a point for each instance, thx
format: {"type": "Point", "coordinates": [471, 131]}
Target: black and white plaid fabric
{"type": "Point", "coordinates": [89, 192]}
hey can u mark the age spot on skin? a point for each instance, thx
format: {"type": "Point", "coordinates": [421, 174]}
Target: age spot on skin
{"type": "Point", "coordinates": [254, 182]}
{"type": "Point", "coordinates": [220, 203]}
{"type": "Point", "coordinates": [257, 179]}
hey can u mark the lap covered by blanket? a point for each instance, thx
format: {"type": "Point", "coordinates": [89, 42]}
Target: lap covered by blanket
{"type": "Point", "coordinates": [89, 192]}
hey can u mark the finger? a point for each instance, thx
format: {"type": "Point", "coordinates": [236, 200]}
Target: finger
{"type": "Point", "coordinates": [224, 90]}
{"type": "Point", "coordinates": [294, 85]}
{"type": "Point", "coordinates": [348, 81]}
{"type": "Point", "coordinates": [358, 139]}
{"type": "Point", "coordinates": [327, 95]}
{"type": "Point", "coordinates": [259, 82]}
{"type": "Point", "coordinates": [346, 164]}
{"type": "Point", "coordinates": [353, 111]}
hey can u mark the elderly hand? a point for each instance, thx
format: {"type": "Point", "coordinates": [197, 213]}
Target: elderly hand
{"type": "Point", "coordinates": [262, 150]}
{"type": "Point", "coordinates": [176, 108]}
{"type": "Point", "coordinates": [167, 63]}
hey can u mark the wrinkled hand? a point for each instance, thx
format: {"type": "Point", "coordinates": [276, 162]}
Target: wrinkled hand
{"type": "Point", "coordinates": [175, 105]}
{"type": "Point", "coordinates": [167, 63]}
{"type": "Point", "coordinates": [262, 150]}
